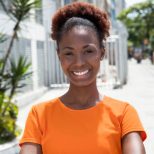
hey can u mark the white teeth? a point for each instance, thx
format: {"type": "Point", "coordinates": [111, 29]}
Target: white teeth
{"type": "Point", "coordinates": [81, 73]}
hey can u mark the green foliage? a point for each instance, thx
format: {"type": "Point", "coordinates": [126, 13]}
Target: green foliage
{"type": "Point", "coordinates": [13, 77]}
{"type": "Point", "coordinates": [12, 81]}
{"type": "Point", "coordinates": [21, 8]}
{"type": "Point", "coordinates": [38, 3]}
{"type": "Point", "coordinates": [8, 128]}
{"type": "Point", "coordinates": [18, 72]}
{"type": "Point", "coordinates": [12, 72]}
{"type": "Point", "coordinates": [152, 39]}
{"type": "Point", "coordinates": [139, 21]}
{"type": "Point", "coordinates": [18, 11]}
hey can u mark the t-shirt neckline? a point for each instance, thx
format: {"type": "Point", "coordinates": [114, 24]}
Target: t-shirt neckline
{"type": "Point", "coordinates": [80, 110]}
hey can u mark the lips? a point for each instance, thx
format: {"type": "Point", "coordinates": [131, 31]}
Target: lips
{"type": "Point", "coordinates": [80, 73]}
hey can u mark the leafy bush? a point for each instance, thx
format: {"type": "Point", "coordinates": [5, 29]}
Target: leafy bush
{"type": "Point", "coordinates": [10, 84]}
{"type": "Point", "coordinates": [11, 75]}
{"type": "Point", "coordinates": [8, 128]}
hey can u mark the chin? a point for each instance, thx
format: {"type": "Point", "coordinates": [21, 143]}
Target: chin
{"type": "Point", "coordinates": [83, 83]}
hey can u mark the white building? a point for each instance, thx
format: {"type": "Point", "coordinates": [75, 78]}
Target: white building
{"type": "Point", "coordinates": [31, 43]}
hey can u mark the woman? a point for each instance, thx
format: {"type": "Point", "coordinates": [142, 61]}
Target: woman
{"type": "Point", "coordinates": [82, 121]}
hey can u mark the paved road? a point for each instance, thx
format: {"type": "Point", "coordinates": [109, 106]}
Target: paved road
{"type": "Point", "coordinates": [139, 92]}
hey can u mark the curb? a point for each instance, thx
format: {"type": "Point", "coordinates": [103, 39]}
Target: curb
{"type": "Point", "coordinates": [10, 147]}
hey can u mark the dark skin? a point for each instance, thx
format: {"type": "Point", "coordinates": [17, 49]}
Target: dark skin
{"type": "Point", "coordinates": [31, 148]}
{"type": "Point", "coordinates": [80, 51]}
{"type": "Point", "coordinates": [132, 144]}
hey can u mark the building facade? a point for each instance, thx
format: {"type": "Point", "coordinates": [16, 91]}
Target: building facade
{"type": "Point", "coordinates": [30, 43]}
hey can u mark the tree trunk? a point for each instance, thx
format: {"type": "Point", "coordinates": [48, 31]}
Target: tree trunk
{"type": "Point", "coordinates": [10, 48]}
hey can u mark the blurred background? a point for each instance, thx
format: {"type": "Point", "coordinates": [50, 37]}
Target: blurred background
{"type": "Point", "coordinates": [30, 71]}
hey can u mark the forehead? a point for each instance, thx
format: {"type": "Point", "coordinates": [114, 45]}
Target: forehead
{"type": "Point", "coordinates": [79, 35]}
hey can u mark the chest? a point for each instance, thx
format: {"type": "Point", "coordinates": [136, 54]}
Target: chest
{"type": "Point", "coordinates": [94, 133]}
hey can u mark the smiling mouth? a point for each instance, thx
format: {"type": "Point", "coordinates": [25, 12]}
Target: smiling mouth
{"type": "Point", "coordinates": [80, 73]}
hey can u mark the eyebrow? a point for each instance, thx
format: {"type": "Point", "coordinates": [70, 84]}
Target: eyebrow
{"type": "Point", "coordinates": [71, 48]}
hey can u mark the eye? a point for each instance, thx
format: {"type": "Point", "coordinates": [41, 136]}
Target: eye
{"type": "Point", "coordinates": [68, 53]}
{"type": "Point", "coordinates": [89, 51]}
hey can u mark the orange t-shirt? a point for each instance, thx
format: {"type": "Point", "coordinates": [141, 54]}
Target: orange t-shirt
{"type": "Point", "coordinates": [96, 130]}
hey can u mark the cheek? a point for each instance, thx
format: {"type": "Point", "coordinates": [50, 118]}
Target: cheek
{"type": "Point", "coordinates": [96, 56]}
{"type": "Point", "coordinates": [97, 59]}
{"type": "Point", "coordinates": [65, 63]}
{"type": "Point", "coordinates": [96, 62]}
{"type": "Point", "coordinates": [94, 59]}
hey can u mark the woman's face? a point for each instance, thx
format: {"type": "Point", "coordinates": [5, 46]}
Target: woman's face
{"type": "Point", "coordinates": [80, 53]}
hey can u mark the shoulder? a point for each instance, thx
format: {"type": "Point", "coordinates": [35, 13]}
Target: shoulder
{"type": "Point", "coordinates": [115, 104]}
{"type": "Point", "coordinates": [118, 107]}
{"type": "Point", "coordinates": [45, 107]}
{"type": "Point", "coordinates": [46, 104]}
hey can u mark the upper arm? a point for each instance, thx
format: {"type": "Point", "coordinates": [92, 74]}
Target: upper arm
{"type": "Point", "coordinates": [131, 122]}
{"type": "Point", "coordinates": [31, 148]}
{"type": "Point", "coordinates": [33, 130]}
{"type": "Point", "coordinates": [132, 143]}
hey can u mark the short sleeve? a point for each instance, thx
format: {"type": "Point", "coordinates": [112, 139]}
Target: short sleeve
{"type": "Point", "coordinates": [32, 132]}
{"type": "Point", "coordinates": [131, 122]}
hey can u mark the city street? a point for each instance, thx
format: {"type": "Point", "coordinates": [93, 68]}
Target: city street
{"type": "Point", "coordinates": [139, 91]}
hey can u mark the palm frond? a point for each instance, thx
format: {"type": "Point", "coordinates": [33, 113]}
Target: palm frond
{"type": "Point", "coordinates": [19, 71]}
{"type": "Point", "coordinates": [21, 8]}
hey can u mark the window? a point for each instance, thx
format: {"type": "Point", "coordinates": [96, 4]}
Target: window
{"type": "Point", "coordinates": [39, 13]}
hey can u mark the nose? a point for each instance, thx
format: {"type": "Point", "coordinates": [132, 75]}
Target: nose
{"type": "Point", "coordinates": [79, 60]}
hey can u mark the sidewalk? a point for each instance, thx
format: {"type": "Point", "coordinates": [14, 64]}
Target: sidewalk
{"type": "Point", "coordinates": [139, 92]}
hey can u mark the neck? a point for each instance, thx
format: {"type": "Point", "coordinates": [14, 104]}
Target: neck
{"type": "Point", "coordinates": [81, 97]}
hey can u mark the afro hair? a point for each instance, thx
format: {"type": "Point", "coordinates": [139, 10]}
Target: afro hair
{"type": "Point", "coordinates": [83, 10]}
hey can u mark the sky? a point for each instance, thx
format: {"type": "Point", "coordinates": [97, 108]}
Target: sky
{"type": "Point", "coordinates": [131, 2]}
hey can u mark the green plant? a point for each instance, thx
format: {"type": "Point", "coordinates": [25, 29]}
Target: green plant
{"type": "Point", "coordinates": [8, 128]}
{"type": "Point", "coordinates": [19, 11]}
{"type": "Point", "coordinates": [12, 82]}
{"type": "Point", "coordinates": [12, 73]}
{"type": "Point", "coordinates": [13, 77]}
{"type": "Point", "coordinates": [137, 19]}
